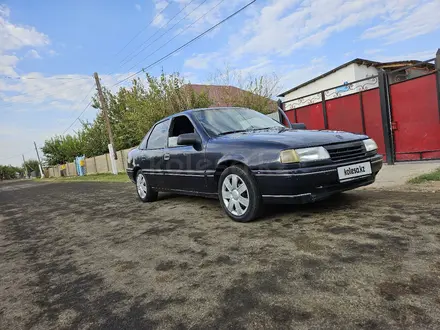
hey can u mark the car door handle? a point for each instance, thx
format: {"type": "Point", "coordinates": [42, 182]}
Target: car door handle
{"type": "Point", "coordinates": [166, 156]}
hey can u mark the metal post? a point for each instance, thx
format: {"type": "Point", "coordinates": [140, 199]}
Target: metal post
{"type": "Point", "coordinates": [280, 105]}
{"type": "Point", "coordinates": [39, 161]}
{"type": "Point", "coordinates": [437, 76]}
{"type": "Point", "coordinates": [386, 116]}
{"type": "Point", "coordinates": [361, 107]}
{"type": "Point", "coordinates": [324, 110]}
{"type": "Point", "coordinates": [25, 168]}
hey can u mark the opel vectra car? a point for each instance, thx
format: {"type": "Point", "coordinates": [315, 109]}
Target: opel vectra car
{"type": "Point", "coordinates": [246, 159]}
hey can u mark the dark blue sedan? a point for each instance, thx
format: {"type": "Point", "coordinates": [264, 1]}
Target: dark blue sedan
{"type": "Point", "coordinates": [247, 159]}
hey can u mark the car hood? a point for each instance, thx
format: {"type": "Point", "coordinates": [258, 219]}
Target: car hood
{"type": "Point", "coordinates": [294, 138]}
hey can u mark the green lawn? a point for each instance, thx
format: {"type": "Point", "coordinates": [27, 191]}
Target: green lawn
{"type": "Point", "coordinates": [104, 177]}
{"type": "Point", "coordinates": [433, 176]}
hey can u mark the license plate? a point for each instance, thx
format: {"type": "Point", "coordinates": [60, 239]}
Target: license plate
{"type": "Point", "coordinates": [349, 172]}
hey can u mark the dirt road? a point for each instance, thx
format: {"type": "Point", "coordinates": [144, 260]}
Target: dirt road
{"type": "Point", "coordinates": [89, 255]}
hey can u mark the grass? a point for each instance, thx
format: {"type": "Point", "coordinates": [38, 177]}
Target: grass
{"type": "Point", "coordinates": [103, 177]}
{"type": "Point", "coordinates": [432, 176]}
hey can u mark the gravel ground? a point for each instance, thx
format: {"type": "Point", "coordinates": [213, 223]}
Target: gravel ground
{"type": "Point", "coordinates": [90, 255]}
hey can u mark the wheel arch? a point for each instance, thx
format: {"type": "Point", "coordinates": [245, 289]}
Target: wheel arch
{"type": "Point", "coordinates": [135, 172]}
{"type": "Point", "coordinates": [224, 164]}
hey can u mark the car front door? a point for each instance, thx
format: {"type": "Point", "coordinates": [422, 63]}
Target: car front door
{"type": "Point", "coordinates": [184, 166]}
{"type": "Point", "coordinates": [152, 157]}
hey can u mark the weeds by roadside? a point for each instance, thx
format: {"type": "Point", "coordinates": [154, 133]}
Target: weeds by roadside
{"type": "Point", "coordinates": [103, 177]}
{"type": "Point", "coordinates": [433, 176]}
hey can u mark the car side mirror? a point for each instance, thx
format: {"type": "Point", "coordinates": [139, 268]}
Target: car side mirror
{"type": "Point", "coordinates": [188, 139]}
{"type": "Point", "coordinates": [299, 126]}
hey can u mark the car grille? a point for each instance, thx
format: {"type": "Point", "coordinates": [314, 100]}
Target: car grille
{"type": "Point", "coordinates": [347, 151]}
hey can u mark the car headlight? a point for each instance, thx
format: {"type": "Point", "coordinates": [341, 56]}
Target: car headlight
{"type": "Point", "coordinates": [304, 155]}
{"type": "Point", "coordinates": [370, 145]}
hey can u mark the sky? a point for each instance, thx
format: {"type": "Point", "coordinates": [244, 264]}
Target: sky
{"type": "Point", "coordinates": [50, 49]}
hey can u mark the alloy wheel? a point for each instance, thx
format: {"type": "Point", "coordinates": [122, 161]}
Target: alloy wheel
{"type": "Point", "coordinates": [141, 185]}
{"type": "Point", "coordinates": [235, 195]}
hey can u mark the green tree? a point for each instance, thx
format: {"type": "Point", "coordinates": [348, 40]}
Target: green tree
{"type": "Point", "coordinates": [132, 111]}
{"type": "Point", "coordinates": [9, 172]}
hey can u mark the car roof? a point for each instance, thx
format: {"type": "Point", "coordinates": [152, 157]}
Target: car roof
{"type": "Point", "coordinates": [189, 111]}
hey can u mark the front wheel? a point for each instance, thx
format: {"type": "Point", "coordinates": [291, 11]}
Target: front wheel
{"type": "Point", "coordinates": [144, 190]}
{"type": "Point", "coordinates": [239, 194]}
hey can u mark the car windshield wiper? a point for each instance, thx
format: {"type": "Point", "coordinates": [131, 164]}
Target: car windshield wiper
{"type": "Point", "coordinates": [231, 132]}
{"type": "Point", "coordinates": [263, 128]}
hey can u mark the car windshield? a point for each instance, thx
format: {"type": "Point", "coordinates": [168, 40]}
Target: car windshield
{"type": "Point", "coordinates": [232, 120]}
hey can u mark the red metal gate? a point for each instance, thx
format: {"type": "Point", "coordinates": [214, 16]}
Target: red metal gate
{"type": "Point", "coordinates": [415, 118]}
{"type": "Point", "coordinates": [357, 113]}
{"type": "Point", "coordinates": [402, 116]}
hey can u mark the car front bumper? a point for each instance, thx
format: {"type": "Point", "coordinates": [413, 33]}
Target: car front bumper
{"type": "Point", "coordinates": [310, 184]}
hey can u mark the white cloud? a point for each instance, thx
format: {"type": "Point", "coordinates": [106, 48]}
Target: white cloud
{"type": "Point", "coordinates": [52, 52]}
{"type": "Point", "coordinates": [33, 54]}
{"type": "Point", "coordinates": [58, 92]}
{"type": "Point", "coordinates": [198, 15]}
{"type": "Point", "coordinates": [410, 21]}
{"type": "Point", "coordinates": [8, 64]}
{"type": "Point", "coordinates": [202, 61]}
{"type": "Point", "coordinates": [303, 24]}
{"type": "Point", "coordinates": [4, 11]}
{"type": "Point", "coordinates": [159, 19]}
{"type": "Point", "coordinates": [14, 36]}
{"type": "Point", "coordinates": [421, 56]}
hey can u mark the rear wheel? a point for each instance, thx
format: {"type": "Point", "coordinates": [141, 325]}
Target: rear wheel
{"type": "Point", "coordinates": [144, 190]}
{"type": "Point", "coordinates": [239, 194]}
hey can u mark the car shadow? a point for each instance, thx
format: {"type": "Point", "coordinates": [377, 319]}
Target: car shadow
{"type": "Point", "coordinates": [166, 196]}
{"type": "Point", "coordinates": [333, 203]}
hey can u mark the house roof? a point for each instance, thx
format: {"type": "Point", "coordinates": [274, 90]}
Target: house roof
{"type": "Point", "coordinates": [219, 94]}
{"type": "Point", "coordinates": [361, 61]}
{"type": "Point", "coordinates": [222, 95]}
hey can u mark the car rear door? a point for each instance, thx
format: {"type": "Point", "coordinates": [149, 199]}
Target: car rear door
{"type": "Point", "coordinates": [152, 157]}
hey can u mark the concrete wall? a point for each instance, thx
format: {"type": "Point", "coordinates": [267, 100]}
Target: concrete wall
{"type": "Point", "coordinates": [101, 164]}
{"type": "Point", "coordinates": [94, 165]}
{"type": "Point", "coordinates": [348, 74]}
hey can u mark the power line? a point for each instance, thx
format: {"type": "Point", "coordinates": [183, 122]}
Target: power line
{"type": "Point", "coordinates": [143, 29]}
{"type": "Point", "coordinates": [186, 44]}
{"type": "Point", "coordinates": [82, 112]}
{"type": "Point", "coordinates": [18, 155]}
{"type": "Point", "coordinates": [128, 58]}
{"type": "Point", "coordinates": [43, 78]}
{"type": "Point", "coordinates": [42, 89]}
{"type": "Point", "coordinates": [183, 30]}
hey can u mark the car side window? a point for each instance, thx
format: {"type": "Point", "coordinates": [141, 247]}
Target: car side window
{"type": "Point", "coordinates": [143, 144]}
{"type": "Point", "coordinates": [179, 125]}
{"type": "Point", "coordinates": [159, 135]}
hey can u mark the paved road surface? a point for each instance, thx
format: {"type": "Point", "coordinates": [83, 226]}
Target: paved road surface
{"type": "Point", "coordinates": [89, 255]}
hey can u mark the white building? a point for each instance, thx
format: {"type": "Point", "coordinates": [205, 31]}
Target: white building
{"type": "Point", "coordinates": [311, 91]}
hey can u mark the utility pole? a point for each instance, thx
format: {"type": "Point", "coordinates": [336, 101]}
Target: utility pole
{"type": "Point", "coordinates": [25, 167]}
{"type": "Point", "coordinates": [39, 161]}
{"type": "Point", "coordinates": [104, 109]}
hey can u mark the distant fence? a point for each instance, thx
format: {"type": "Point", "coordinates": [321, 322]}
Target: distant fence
{"type": "Point", "coordinates": [93, 165]}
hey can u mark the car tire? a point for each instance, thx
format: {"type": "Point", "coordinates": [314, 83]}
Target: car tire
{"type": "Point", "coordinates": [144, 190]}
{"type": "Point", "coordinates": [234, 195]}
